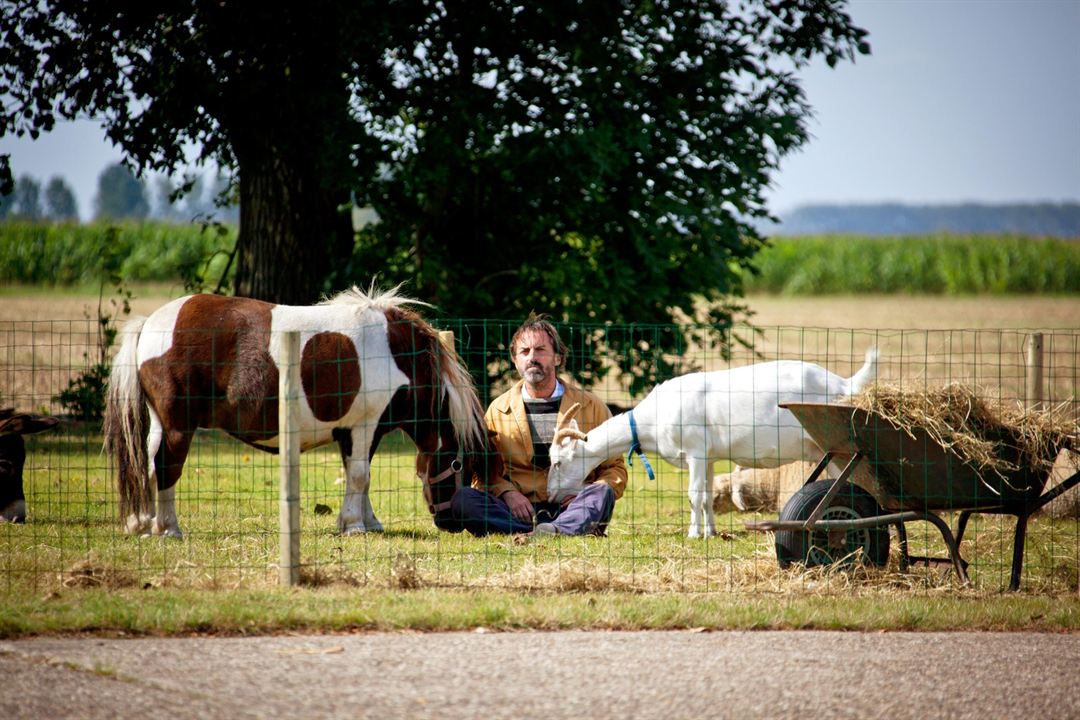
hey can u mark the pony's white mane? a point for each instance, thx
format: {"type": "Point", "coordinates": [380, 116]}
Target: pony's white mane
{"type": "Point", "coordinates": [466, 413]}
{"type": "Point", "coordinates": [374, 298]}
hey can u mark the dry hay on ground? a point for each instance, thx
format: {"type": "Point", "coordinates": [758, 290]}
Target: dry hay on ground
{"type": "Point", "coordinates": [91, 574]}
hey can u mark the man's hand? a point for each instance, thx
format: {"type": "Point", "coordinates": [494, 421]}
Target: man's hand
{"type": "Point", "coordinates": [519, 505]}
{"type": "Point", "coordinates": [566, 501]}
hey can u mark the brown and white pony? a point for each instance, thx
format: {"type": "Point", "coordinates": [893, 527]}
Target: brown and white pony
{"type": "Point", "coordinates": [369, 364]}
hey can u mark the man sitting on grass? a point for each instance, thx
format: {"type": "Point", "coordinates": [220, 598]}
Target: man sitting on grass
{"type": "Point", "coordinates": [524, 420]}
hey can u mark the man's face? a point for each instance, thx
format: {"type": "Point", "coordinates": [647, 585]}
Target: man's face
{"type": "Point", "coordinates": [535, 358]}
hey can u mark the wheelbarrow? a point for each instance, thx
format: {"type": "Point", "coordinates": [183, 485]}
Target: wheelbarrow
{"type": "Point", "coordinates": [903, 475]}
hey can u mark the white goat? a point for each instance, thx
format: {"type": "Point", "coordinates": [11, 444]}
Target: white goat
{"type": "Point", "coordinates": [696, 419]}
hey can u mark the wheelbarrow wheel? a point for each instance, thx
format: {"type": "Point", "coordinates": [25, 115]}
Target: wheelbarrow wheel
{"type": "Point", "coordinates": [824, 548]}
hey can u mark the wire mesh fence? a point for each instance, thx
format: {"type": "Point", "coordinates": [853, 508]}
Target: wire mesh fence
{"type": "Point", "coordinates": [228, 496]}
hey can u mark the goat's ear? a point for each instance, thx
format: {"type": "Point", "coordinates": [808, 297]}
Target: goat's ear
{"type": "Point", "coordinates": [27, 424]}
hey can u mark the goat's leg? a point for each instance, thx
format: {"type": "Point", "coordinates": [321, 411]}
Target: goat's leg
{"type": "Point", "coordinates": [702, 520]}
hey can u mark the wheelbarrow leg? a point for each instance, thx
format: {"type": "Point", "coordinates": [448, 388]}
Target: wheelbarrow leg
{"type": "Point", "coordinates": [1018, 552]}
{"type": "Point", "coordinates": [961, 526]}
{"type": "Point", "coordinates": [952, 544]}
{"type": "Point", "coordinates": [901, 537]}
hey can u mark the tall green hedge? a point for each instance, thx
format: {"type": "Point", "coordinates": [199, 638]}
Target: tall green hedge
{"type": "Point", "coordinates": [70, 254]}
{"type": "Point", "coordinates": [925, 264]}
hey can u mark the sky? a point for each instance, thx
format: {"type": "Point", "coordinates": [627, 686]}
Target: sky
{"type": "Point", "coordinates": [960, 101]}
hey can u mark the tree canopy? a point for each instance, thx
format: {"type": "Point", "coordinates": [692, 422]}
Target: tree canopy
{"type": "Point", "coordinates": [120, 195]}
{"type": "Point", "coordinates": [60, 201]}
{"type": "Point", "coordinates": [595, 164]}
{"type": "Point", "coordinates": [600, 162]}
{"type": "Point", "coordinates": [27, 198]}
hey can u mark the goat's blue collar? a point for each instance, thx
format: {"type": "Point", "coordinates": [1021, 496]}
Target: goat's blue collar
{"type": "Point", "coordinates": [635, 447]}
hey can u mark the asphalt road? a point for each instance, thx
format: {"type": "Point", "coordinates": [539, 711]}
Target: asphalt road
{"type": "Point", "coordinates": [548, 675]}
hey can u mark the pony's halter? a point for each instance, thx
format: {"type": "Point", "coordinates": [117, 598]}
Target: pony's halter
{"type": "Point", "coordinates": [454, 470]}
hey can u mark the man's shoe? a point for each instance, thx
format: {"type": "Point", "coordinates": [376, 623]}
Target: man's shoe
{"type": "Point", "coordinates": [545, 529]}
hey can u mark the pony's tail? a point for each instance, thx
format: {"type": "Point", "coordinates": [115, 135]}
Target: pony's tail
{"type": "Point", "coordinates": [125, 427]}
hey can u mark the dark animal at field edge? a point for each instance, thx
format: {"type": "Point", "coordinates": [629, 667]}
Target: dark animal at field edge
{"type": "Point", "coordinates": [13, 426]}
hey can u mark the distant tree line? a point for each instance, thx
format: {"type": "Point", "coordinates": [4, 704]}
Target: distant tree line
{"type": "Point", "coordinates": [1045, 219]}
{"type": "Point", "coordinates": [122, 196]}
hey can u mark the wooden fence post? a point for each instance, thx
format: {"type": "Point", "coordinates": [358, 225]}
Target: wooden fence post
{"type": "Point", "coordinates": [289, 452]}
{"type": "Point", "coordinates": [1034, 375]}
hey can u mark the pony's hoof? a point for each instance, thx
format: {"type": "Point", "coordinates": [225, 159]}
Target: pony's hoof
{"type": "Point", "coordinates": [355, 530]}
{"type": "Point", "coordinates": [138, 525]}
{"type": "Point", "coordinates": [158, 529]}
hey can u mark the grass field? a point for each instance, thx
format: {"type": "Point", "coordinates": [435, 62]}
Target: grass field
{"type": "Point", "coordinates": [70, 568]}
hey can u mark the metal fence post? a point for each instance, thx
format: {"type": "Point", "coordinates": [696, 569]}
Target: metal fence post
{"type": "Point", "coordinates": [1034, 376]}
{"type": "Point", "coordinates": [289, 452]}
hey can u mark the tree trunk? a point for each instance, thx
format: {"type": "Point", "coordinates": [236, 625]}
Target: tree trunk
{"type": "Point", "coordinates": [295, 228]}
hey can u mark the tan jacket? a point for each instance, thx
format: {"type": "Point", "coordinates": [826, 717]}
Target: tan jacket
{"type": "Point", "coordinates": [506, 416]}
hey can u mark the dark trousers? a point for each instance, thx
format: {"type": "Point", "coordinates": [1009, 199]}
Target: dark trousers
{"type": "Point", "coordinates": [482, 513]}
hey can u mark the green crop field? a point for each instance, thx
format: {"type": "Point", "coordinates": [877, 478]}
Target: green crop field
{"type": "Point", "coordinates": [68, 254]}
{"type": "Point", "coordinates": [929, 264]}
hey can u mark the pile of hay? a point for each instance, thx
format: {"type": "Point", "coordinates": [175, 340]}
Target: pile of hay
{"type": "Point", "coordinates": [975, 428]}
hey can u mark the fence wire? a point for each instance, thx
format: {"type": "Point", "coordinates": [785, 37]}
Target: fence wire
{"type": "Point", "coordinates": [227, 498]}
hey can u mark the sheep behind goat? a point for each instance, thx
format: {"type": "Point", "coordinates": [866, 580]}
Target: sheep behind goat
{"type": "Point", "coordinates": [694, 420]}
{"type": "Point", "coordinates": [759, 489]}
{"type": "Point", "coordinates": [769, 489]}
